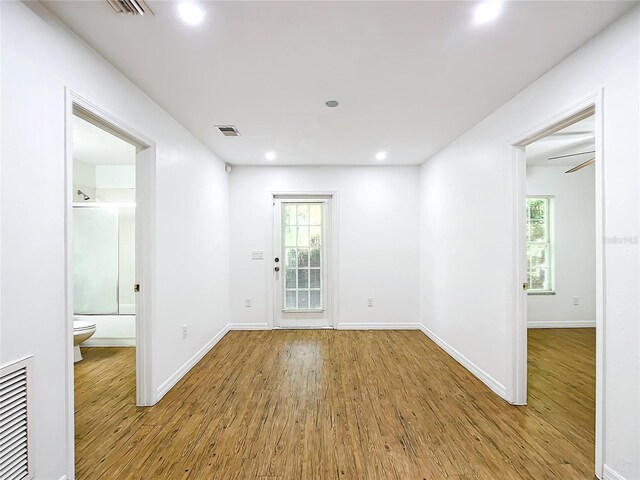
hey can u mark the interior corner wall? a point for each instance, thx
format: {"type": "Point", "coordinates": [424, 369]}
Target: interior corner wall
{"type": "Point", "coordinates": [467, 214]}
{"type": "Point", "coordinates": [378, 240]}
{"type": "Point", "coordinates": [40, 57]}
{"type": "Point", "coordinates": [574, 247]}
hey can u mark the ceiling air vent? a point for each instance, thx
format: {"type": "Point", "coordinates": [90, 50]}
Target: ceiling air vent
{"type": "Point", "coordinates": [228, 130]}
{"type": "Point", "coordinates": [130, 7]}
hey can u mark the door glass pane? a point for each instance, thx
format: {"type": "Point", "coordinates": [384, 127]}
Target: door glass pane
{"type": "Point", "coordinates": [291, 257]}
{"type": "Point", "coordinates": [314, 257]}
{"type": "Point", "coordinates": [315, 233]}
{"type": "Point", "coordinates": [303, 299]}
{"type": "Point", "coordinates": [303, 257]}
{"type": "Point", "coordinates": [291, 279]}
{"type": "Point", "coordinates": [289, 214]}
{"type": "Point", "coordinates": [315, 214]}
{"type": "Point", "coordinates": [314, 278]}
{"type": "Point", "coordinates": [303, 278]}
{"type": "Point", "coordinates": [303, 214]}
{"type": "Point", "coordinates": [290, 300]}
{"type": "Point", "coordinates": [314, 299]}
{"type": "Point", "coordinates": [290, 236]}
{"type": "Point", "coordinates": [303, 249]}
{"type": "Point", "coordinates": [303, 236]}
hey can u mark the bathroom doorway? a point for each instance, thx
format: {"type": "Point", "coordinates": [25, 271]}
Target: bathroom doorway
{"type": "Point", "coordinates": [109, 253]}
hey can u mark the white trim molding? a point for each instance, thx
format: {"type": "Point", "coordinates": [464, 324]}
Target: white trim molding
{"type": "Point", "coordinates": [483, 376]}
{"type": "Point", "coordinates": [609, 473]}
{"type": "Point", "coordinates": [563, 324]}
{"type": "Point", "coordinates": [378, 326]}
{"type": "Point", "coordinates": [189, 364]}
{"type": "Point", "coordinates": [249, 326]}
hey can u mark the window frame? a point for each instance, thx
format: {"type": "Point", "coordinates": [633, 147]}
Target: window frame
{"type": "Point", "coordinates": [549, 244]}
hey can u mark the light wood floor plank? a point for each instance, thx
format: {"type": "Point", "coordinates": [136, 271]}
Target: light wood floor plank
{"type": "Point", "coordinates": [292, 405]}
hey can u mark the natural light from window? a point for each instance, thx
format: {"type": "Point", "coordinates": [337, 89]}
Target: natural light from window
{"type": "Point", "coordinates": [540, 244]}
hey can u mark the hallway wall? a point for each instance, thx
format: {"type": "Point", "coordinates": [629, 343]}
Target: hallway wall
{"type": "Point", "coordinates": [467, 214]}
{"type": "Point", "coordinates": [378, 240]}
{"type": "Point", "coordinates": [40, 57]}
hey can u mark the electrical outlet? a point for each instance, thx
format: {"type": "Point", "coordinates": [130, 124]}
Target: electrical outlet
{"type": "Point", "coordinates": [184, 331]}
{"type": "Point", "coordinates": [247, 302]}
{"type": "Point", "coordinates": [576, 300]}
{"type": "Point", "coordinates": [370, 302]}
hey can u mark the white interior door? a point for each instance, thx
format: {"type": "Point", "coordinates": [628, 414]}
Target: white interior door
{"type": "Point", "coordinates": [301, 263]}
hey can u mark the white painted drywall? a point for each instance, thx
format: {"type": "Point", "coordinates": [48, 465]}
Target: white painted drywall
{"type": "Point", "coordinates": [467, 249]}
{"type": "Point", "coordinates": [378, 239]}
{"type": "Point", "coordinates": [574, 243]}
{"type": "Point", "coordinates": [40, 58]}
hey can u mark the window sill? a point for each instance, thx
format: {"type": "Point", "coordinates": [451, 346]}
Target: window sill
{"type": "Point", "coordinates": [541, 293]}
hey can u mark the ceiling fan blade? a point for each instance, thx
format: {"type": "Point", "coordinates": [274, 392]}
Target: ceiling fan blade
{"type": "Point", "coordinates": [575, 132]}
{"type": "Point", "coordinates": [571, 155]}
{"type": "Point", "coordinates": [581, 166]}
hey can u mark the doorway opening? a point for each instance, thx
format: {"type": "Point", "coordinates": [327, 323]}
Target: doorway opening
{"type": "Point", "coordinates": [302, 263]}
{"type": "Point", "coordinates": [558, 355]}
{"type": "Point", "coordinates": [109, 261]}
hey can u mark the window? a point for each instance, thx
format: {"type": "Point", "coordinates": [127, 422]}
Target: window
{"type": "Point", "coordinates": [303, 255]}
{"type": "Point", "coordinates": [540, 244]}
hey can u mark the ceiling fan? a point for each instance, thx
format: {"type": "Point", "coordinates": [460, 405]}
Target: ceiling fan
{"type": "Point", "coordinates": [579, 166]}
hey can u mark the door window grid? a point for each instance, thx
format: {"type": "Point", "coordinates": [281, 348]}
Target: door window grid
{"type": "Point", "coordinates": [303, 259]}
{"type": "Point", "coordinates": [539, 244]}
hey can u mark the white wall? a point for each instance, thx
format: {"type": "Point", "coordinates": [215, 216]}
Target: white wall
{"type": "Point", "coordinates": [467, 249]}
{"type": "Point", "coordinates": [378, 239]}
{"type": "Point", "coordinates": [40, 58]}
{"type": "Point", "coordinates": [574, 234]}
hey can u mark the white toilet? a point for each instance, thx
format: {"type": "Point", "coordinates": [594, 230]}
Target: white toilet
{"type": "Point", "coordinates": [82, 331]}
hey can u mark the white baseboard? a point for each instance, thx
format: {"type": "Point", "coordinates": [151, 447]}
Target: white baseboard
{"type": "Point", "coordinates": [609, 473]}
{"type": "Point", "coordinates": [249, 326]}
{"type": "Point", "coordinates": [487, 379]}
{"type": "Point", "coordinates": [109, 342]}
{"type": "Point", "coordinates": [378, 326]}
{"type": "Point", "coordinates": [184, 369]}
{"type": "Point", "coordinates": [563, 324]}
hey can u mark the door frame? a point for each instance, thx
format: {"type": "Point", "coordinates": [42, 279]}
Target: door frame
{"type": "Point", "coordinates": [517, 386]}
{"type": "Point", "coordinates": [333, 293]}
{"type": "Point", "coordinates": [146, 158]}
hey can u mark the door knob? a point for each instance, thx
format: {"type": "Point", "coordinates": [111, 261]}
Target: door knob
{"type": "Point", "coordinates": [277, 269]}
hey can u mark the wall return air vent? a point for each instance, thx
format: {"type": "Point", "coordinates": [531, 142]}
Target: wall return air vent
{"type": "Point", "coordinates": [228, 130]}
{"type": "Point", "coordinates": [15, 434]}
{"type": "Point", "coordinates": [130, 7]}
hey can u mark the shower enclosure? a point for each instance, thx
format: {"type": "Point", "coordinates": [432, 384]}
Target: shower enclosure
{"type": "Point", "coordinates": [104, 269]}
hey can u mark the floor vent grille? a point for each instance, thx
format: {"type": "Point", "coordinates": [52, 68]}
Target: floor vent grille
{"type": "Point", "coordinates": [15, 462]}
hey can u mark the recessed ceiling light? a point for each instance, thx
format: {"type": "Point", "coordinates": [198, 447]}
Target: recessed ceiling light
{"type": "Point", "coordinates": [487, 11]}
{"type": "Point", "coordinates": [381, 156]}
{"type": "Point", "coordinates": [190, 13]}
{"type": "Point", "coordinates": [331, 103]}
{"type": "Point", "coordinates": [270, 155]}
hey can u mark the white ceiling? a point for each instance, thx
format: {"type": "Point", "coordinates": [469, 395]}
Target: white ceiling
{"type": "Point", "coordinates": [95, 146]}
{"type": "Point", "coordinates": [576, 138]}
{"type": "Point", "coordinates": [410, 76]}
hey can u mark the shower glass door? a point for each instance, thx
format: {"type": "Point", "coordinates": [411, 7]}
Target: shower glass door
{"type": "Point", "coordinates": [95, 276]}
